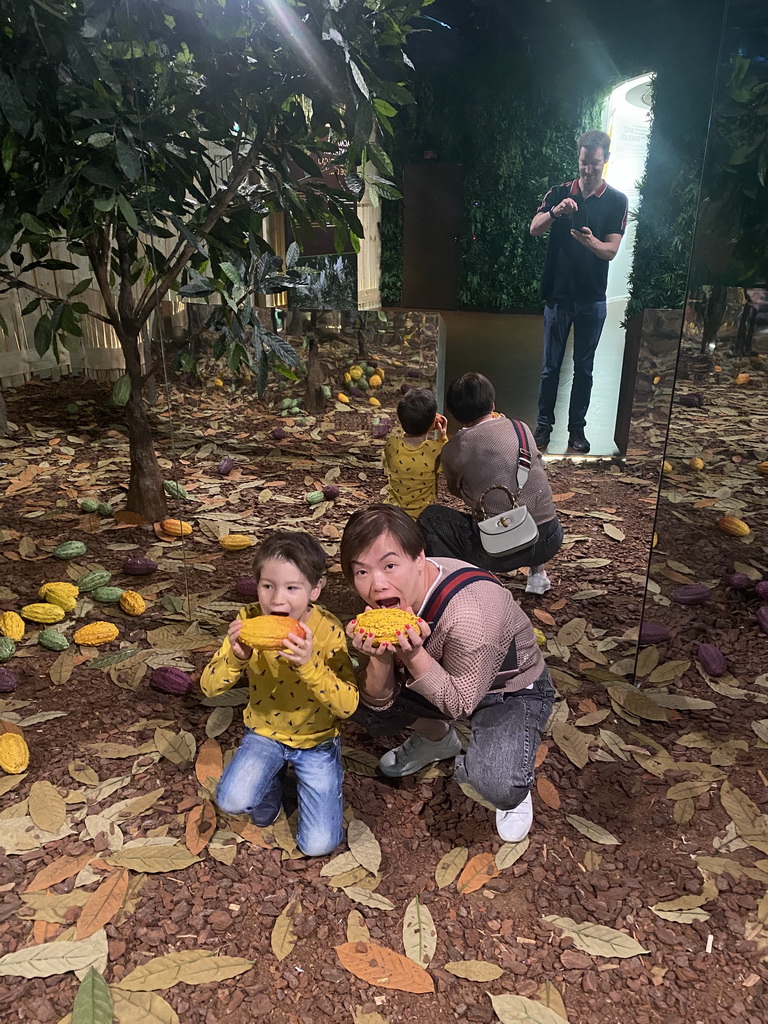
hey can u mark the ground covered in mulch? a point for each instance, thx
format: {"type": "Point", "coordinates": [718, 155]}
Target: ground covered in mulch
{"type": "Point", "coordinates": [641, 893]}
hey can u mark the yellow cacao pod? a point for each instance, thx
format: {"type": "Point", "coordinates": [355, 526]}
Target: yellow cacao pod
{"type": "Point", "coordinates": [347, 378]}
{"type": "Point", "coordinates": [235, 542]}
{"type": "Point", "coordinates": [385, 623]}
{"type": "Point", "coordinates": [374, 401]}
{"type": "Point", "coordinates": [375, 381]}
{"type": "Point", "coordinates": [64, 595]}
{"type": "Point", "coordinates": [11, 625]}
{"type": "Point", "coordinates": [762, 468]}
{"type": "Point", "coordinates": [14, 753]}
{"type": "Point", "coordinates": [666, 466]}
{"type": "Point", "coordinates": [732, 526]}
{"type": "Point", "coordinates": [541, 639]}
{"type": "Point", "coordinates": [45, 613]}
{"type": "Point", "coordinates": [696, 463]}
{"type": "Point", "coordinates": [175, 527]}
{"type": "Point", "coordinates": [268, 632]}
{"type": "Point", "coordinates": [96, 633]}
{"type": "Point", "coordinates": [742, 378]}
{"type": "Point", "coordinates": [355, 372]}
{"type": "Point", "coordinates": [132, 603]}
{"type": "Point", "coordinates": [342, 398]}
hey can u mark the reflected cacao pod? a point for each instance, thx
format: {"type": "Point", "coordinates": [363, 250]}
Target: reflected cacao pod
{"type": "Point", "coordinates": [761, 589]}
{"type": "Point", "coordinates": [171, 680]}
{"type": "Point", "coordinates": [653, 633]}
{"type": "Point", "coordinates": [762, 618]}
{"type": "Point", "coordinates": [248, 586]}
{"type": "Point", "coordinates": [225, 466]}
{"type": "Point", "coordinates": [694, 400]}
{"type": "Point", "coordinates": [732, 526]}
{"type": "Point", "coordinates": [739, 581]}
{"type": "Point", "coordinates": [712, 659]}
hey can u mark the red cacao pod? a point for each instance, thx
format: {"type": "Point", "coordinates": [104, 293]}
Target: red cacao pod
{"type": "Point", "coordinates": [8, 680]}
{"type": "Point", "coordinates": [762, 618]}
{"type": "Point", "coordinates": [248, 587]}
{"type": "Point", "coordinates": [761, 589]}
{"type": "Point", "coordinates": [139, 566]}
{"type": "Point", "coordinates": [691, 593]}
{"type": "Point", "coordinates": [171, 680]}
{"type": "Point", "coordinates": [330, 492]}
{"type": "Point", "coordinates": [712, 659]}
{"type": "Point", "coordinates": [739, 581]}
{"type": "Point", "coordinates": [225, 466]}
{"type": "Point", "coordinates": [653, 633]}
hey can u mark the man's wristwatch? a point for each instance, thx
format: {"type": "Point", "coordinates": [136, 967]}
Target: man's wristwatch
{"type": "Point", "coordinates": [552, 214]}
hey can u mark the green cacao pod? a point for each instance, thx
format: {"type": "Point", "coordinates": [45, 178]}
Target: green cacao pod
{"type": "Point", "coordinates": [69, 549]}
{"type": "Point", "coordinates": [121, 390]}
{"type": "Point", "coordinates": [314, 497]}
{"type": "Point", "coordinates": [92, 580]}
{"type": "Point", "coordinates": [107, 595]}
{"type": "Point", "coordinates": [175, 490]}
{"type": "Point", "coordinates": [53, 640]}
{"type": "Point", "coordinates": [104, 509]}
{"type": "Point", "coordinates": [88, 505]}
{"type": "Point", "coordinates": [7, 648]}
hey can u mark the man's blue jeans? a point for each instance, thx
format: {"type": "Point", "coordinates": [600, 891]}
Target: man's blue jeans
{"type": "Point", "coordinates": [250, 785]}
{"type": "Point", "coordinates": [587, 319]}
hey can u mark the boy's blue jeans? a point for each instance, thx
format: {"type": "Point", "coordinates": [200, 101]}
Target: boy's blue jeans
{"type": "Point", "coordinates": [250, 785]}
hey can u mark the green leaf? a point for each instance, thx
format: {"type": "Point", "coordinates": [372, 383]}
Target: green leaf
{"type": "Point", "coordinates": [93, 1002]}
{"type": "Point", "coordinates": [384, 108]}
{"type": "Point", "coordinates": [13, 105]}
{"type": "Point", "coordinates": [32, 224]}
{"type": "Point", "coordinates": [128, 212]}
{"type": "Point", "coordinates": [43, 335]}
{"type": "Point", "coordinates": [80, 287]}
{"type": "Point", "coordinates": [128, 158]}
{"type": "Point", "coordinates": [9, 148]}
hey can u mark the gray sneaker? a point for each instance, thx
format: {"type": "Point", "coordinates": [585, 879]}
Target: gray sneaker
{"type": "Point", "coordinates": [417, 752]}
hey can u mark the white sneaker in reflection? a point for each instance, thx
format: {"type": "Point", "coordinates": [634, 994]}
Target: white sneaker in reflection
{"type": "Point", "coordinates": [417, 752]}
{"type": "Point", "coordinates": [515, 825]}
{"type": "Point", "coordinates": [537, 583]}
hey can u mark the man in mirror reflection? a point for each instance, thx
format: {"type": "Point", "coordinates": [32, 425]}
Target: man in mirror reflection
{"type": "Point", "coordinates": [586, 219]}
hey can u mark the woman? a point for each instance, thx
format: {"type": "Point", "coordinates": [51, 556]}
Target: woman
{"type": "Point", "coordinates": [483, 454]}
{"type": "Point", "coordinates": [476, 656]}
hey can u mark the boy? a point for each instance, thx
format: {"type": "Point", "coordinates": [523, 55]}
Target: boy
{"type": "Point", "coordinates": [297, 697]}
{"type": "Point", "coordinates": [411, 461]}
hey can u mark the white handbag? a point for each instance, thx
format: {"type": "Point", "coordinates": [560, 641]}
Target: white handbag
{"type": "Point", "coordinates": [516, 528]}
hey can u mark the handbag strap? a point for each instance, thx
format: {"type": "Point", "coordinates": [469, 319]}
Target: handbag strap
{"type": "Point", "coordinates": [449, 587]}
{"type": "Point", "coordinates": [524, 460]}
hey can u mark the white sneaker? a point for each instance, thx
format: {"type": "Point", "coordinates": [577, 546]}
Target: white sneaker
{"type": "Point", "coordinates": [417, 752]}
{"type": "Point", "coordinates": [515, 825]}
{"type": "Point", "coordinates": [537, 583]}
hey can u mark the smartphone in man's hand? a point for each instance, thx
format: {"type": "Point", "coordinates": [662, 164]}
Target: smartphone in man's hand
{"type": "Point", "coordinates": [579, 219]}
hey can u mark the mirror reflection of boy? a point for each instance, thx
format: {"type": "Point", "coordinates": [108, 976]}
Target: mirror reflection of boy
{"type": "Point", "coordinates": [296, 697]}
{"type": "Point", "coordinates": [411, 460]}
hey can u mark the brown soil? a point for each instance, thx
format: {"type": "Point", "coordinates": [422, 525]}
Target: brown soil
{"type": "Point", "coordinates": [56, 459]}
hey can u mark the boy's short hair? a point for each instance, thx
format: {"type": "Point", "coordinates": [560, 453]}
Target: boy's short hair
{"type": "Point", "coordinates": [366, 526]}
{"type": "Point", "coordinates": [469, 397]}
{"type": "Point", "coordinates": [416, 411]}
{"type": "Point", "coordinates": [301, 549]}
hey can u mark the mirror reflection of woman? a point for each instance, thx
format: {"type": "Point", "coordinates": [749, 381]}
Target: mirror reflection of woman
{"type": "Point", "coordinates": [474, 657]}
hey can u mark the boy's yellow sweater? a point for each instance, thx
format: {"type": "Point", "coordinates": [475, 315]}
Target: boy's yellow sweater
{"type": "Point", "coordinates": [299, 707]}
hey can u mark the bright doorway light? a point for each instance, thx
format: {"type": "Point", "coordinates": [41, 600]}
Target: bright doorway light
{"type": "Point", "coordinates": [627, 119]}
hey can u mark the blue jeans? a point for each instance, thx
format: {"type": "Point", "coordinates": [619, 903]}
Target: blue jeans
{"type": "Point", "coordinates": [587, 319]}
{"type": "Point", "coordinates": [250, 785]}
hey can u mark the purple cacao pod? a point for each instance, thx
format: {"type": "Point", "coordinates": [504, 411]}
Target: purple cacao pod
{"type": "Point", "coordinates": [171, 680]}
{"type": "Point", "coordinates": [762, 618]}
{"type": "Point", "coordinates": [248, 587]}
{"type": "Point", "coordinates": [357, 392]}
{"type": "Point", "coordinates": [8, 680]}
{"type": "Point", "coordinates": [413, 371]}
{"type": "Point", "coordinates": [694, 400]}
{"type": "Point", "coordinates": [739, 581]}
{"type": "Point", "coordinates": [330, 492]}
{"type": "Point", "coordinates": [712, 659]}
{"type": "Point", "coordinates": [405, 388]}
{"type": "Point", "coordinates": [653, 633]}
{"type": "Point", "coordinates": [278, 434]}
{"type": "Point", "coordinates": [139, 566]}
{"type": "Point", "coordinates": [761, 589]}
{"type": "Point", "coordinates": [226, 466]}
{"type": "Point", "coordinates": [691, 593]}
{"type": "Point", "coordinates": [381, 427]}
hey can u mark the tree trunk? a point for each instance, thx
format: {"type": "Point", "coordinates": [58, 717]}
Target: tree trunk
{"type": "Point", "coordinates": [145, 488]}
{"type": "Point", "coordinates": [3, 417]}
{"type": "Point", "coordinates": [314, 399]}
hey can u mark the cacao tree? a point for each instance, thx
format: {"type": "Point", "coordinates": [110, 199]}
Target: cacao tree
{"type": "Point", "coordinates": [127, 122]}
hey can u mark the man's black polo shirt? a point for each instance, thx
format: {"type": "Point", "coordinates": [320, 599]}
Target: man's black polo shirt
{"type": "Point", "coordinates": [571, 272]}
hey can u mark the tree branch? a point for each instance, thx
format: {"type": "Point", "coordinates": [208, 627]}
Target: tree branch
{"type": "Point", "coordinates": [98, 254]}
{"type": "Point", "coordinates": [153, 294]}
{"type": "Point", "coordinates": [16, 283]}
